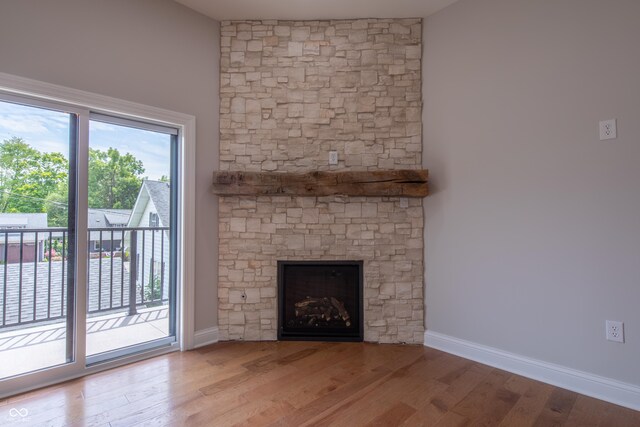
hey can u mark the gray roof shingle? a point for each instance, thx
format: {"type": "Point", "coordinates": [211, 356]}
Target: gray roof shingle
{"type": "Point", "coordinates": [160, 195]}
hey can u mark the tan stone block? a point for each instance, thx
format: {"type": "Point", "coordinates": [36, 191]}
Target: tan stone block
{"type": "Point", "coordinates": [354, 231]}
{"type": "Point", "coordinates": [253, 76]}
{"type": "Point", "coordinates": [237, 79]}
{"type": "Point", "coordinates": [353, 210]}
{"type": "Point", "coordinates": [238, 105]}
{"type": "Point", "coordinates": [403, 265]}
{"type": "Point", "coordinates": [295, 110]}
{"type": "Point", "coordinates": [311, 110]}
{"type": "Point", "coordinates": [279, 218]}
{"type": "Point", "coordinates": [282, 30]}
{"type": "Point", "coordinates": [414, 128]}
{"type": "Point", "coordinates": [369, 210]}
{"type": "Point", "coordinates": [294, 241]}
{"type": "Point", "coordinates": [403, 290]}
{"type": "Point", "coordinates": [366, 104]}
{"type": "Point", "coordinates": [368, 78]}
{"type": "Point", "coordinates": [413, 52]}
{"type": "Point", "coordinates": [354, 147]}
{"type": "Point", "coordinates": [396, 28]}
{"type": "Point", "coordinates": [338, 229]}
{"type": "Point", "coordinates": [253, 224]}
{"type": "Point", "coordinates": [269, 82]}
{"type": "Point", "coordinates": [299, 34]}
{"type": "Point", "coordinates": [271, 41]}
{"type": "Point", "coordinates": [295, 49]}
{"type": "Point", "coordinates": [269, 292]}
{"type": "Point", "coordinates": [413, 114]}
{"type": "Point", "coordinates": [236, 318]}
{"type": "Point", "coordinates": [238, 224]}
{"type": "Point", "coordinates": [312, 242]}
{"type": "Point", "coordinates": [238, 45]}
{"type": "Point", "coordinates": [360, 24]}
{"type": "Point", "coordinates": [253, 295]}
{"type": "Point", "coordinates": [388, 289]}
{"type": "Point", "coordinates": [353, 160]}
{"type": "Point", "coordinates": [253, 59]}
{"type": "Point", "coordinates": [254, 46]}
{"type": "Point", "coordinates": [294, 212]}
{"type": "Point", "coordinates": [357, 36]}
{"type": "Point", "coordinates": [310, 215]}
{"type": "Point", "coordinates": [236, 296]}
{"type": "Point", "coordinates": [243, 35]}
{"type": "Point", "coordinates": [377, 323]}
{"type": "Point", "coordinates": [237, 58]}
{"type": "Point", "coordinates": [269, 166]}
{"type": "Point", "coordinates": [396, 69]}
{"type": "Point", "coordinates": [369, 57]}
{"type": "Point", "coordinates": [384, 38]}
{"type": "Point", "coordinates": [311, 48]}
{"type": "Point", "coordinates": [253, 106]}
{"type": "Point", "coordinates": [296, 74]}
{"type": "Point", "coordinates": [253, 121]}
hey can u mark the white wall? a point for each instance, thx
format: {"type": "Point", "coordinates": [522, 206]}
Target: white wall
{"type": "Point", "coordinates": [533, 227]}
{"type": "Point", "coordinates": [154, 52]}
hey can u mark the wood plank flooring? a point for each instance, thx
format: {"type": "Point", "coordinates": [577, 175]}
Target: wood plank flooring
{"type": "Point", "coordinates": [310, 383]}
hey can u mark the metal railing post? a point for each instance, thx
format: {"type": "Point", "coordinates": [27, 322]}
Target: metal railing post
{"type": "Point", "coordinates": [133, 273]}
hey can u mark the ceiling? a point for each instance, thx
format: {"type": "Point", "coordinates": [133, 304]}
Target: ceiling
{"type": "Point", "coordinates": [315, 9]}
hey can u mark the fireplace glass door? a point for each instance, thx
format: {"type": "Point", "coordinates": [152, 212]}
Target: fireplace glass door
{"type": "Point", "coordinates": [320, 300]}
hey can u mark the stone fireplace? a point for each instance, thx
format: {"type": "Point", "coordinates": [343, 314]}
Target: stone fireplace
{"type": "Point", "coordinates": [291, 92]}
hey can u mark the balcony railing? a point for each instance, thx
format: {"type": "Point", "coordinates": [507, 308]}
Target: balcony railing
{"type": "Point", "coordinates": [127, 268]}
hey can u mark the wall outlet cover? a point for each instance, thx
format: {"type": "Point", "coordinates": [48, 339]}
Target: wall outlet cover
{"type": "Point", "coordinates": [615, 331]}
{"type": "Point", "coordinates": [608, 129]}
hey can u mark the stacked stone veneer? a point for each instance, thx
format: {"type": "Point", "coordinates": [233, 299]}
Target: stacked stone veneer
{"type": "Point", "coordinates": [290, 93]}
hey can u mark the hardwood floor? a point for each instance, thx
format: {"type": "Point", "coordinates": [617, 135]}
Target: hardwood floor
{"type": "Point", "coordinates": [307, 383]}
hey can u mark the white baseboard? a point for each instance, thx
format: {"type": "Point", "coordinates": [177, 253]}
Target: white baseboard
{"type": "Point", "coordinates": [205, 337]}
{"type": "Point", "coordinates": [602, 388]}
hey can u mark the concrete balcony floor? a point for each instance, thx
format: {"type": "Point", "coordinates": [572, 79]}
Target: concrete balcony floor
{"type": "Point", "coordinates": [35, 347]}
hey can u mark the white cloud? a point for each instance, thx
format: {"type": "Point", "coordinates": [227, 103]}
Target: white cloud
{"type": "Point", "coordinates": [22, 125]}
{"type": "Point", "coordinates": [101, 126]}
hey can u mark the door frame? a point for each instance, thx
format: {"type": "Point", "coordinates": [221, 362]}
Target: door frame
{"type": "Point", "coordinates": [73, 100]}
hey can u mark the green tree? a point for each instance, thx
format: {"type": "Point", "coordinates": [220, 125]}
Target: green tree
{"type": "Point", "coordinates": [27, 176]}
{"type": "Point", "coordinates": [114, 179]}
{"type": "Point", "coordinates": [56, 206]}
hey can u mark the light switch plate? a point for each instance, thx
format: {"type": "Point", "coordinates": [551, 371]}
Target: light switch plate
{"type": "Point", "coordinates": [608, 129]}
{"type": "Point", "coordinates": [333, 157]}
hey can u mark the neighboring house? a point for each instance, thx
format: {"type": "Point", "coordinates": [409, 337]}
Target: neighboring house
{"type": "Point", "coordinates": [151, 210]}
{"type": "Point", "coordinates": [32, 243]}
{"type": "Point", "coordinates": [107, 218]}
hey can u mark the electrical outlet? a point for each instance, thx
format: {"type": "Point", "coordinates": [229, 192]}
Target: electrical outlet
{"type": "Point", "coordinates": [608, 129]}
{"type": "Point", "coordinates": [615, 331]}
{"type": "Point", "coordinates": [333, 157]}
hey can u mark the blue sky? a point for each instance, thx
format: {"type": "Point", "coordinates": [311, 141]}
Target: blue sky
{"type": "Point", "coordinates": [48, 131]}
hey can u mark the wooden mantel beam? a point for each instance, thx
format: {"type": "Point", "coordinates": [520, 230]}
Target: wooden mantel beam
{"type": "Point", "coordinates": [401, 182]}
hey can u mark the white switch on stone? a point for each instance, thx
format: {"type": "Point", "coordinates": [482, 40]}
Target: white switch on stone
{"type": "Point", "coordinates": [608, 129]}
{"type": "Point", "coordinates": [333, 157]}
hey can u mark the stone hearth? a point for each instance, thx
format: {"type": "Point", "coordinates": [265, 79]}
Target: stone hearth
{"type": "Point", "coordinates": [290, 93]}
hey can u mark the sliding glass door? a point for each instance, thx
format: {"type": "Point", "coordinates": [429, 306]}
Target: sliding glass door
{"type": "Point", "coordinates": [38, 144]}
{"type": "Point", "coordinates": [88, 239]}
{"type": "Point", "coordinates": [131, 217]}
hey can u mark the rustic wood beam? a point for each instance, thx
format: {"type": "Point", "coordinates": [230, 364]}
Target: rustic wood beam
{"type": "Point", "coordinates": [403, 182]}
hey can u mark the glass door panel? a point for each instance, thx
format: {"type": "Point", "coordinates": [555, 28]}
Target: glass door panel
{"type": "Point", "coordinates": [130, 293]}
{"type": "Point", "coordinates": [37, 234]}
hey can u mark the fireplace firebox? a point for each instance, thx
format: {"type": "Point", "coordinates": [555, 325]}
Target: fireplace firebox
{"type": "Point", "coordinates": [320, 300]}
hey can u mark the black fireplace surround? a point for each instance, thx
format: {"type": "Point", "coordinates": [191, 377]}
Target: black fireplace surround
{"type": "Point", "coordinates": [320, 300]}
